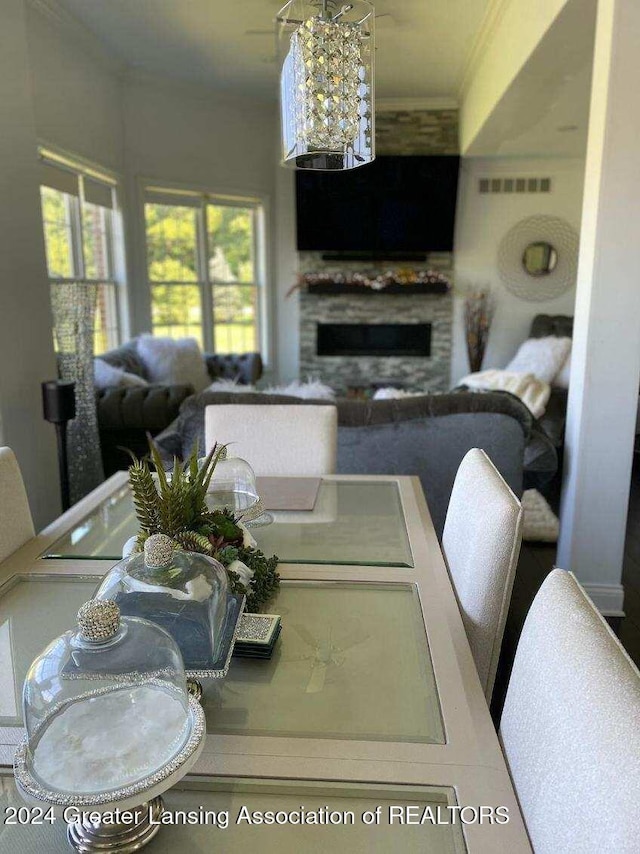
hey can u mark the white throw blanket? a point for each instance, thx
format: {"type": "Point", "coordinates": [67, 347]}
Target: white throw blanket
{"type": "Point", "coordinates": [534, 393]}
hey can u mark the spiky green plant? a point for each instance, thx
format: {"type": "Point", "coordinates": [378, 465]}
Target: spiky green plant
{"type": "Point", "coordinates": [177, 507]}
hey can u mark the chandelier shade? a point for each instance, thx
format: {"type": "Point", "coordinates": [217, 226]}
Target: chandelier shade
{"type": "Point", "coordinates": [327, 84]}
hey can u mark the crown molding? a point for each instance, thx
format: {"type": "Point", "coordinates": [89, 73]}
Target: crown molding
{"type": "Point", "coordinates": [384, 105]}
{"type": "Point", "coordinates": [81, 35]}
{"type": "Point", "coordinates": [490, 23]}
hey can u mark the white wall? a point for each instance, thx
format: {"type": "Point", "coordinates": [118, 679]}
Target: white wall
{"type": "Point", "coordinates": [75, 90]}
{"type": "Point", "coordinates": [482, 220]}
{"type": "Point", "coordinates": [26, 346]}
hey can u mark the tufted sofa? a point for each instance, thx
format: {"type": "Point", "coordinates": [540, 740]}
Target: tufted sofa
{"type": "Point", "coordinates": [127, 413]}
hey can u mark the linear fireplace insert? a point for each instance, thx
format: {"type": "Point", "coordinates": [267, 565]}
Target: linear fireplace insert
{"type": "Point", "coordinates": [374, 339]}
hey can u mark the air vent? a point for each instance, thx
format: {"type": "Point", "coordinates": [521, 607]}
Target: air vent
{"type": "Point", "coordinates": [514, 185]}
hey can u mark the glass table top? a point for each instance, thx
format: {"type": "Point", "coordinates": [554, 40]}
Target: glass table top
{"type": "Point", "coordinates": [353, 523]}
{"type": "Point", "coordinates": [231, 801]}
{"type": "Point", "coordinates": [352, 661]}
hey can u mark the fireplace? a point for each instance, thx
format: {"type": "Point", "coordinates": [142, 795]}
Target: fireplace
{"type": "Point", "coordinates": [357, 341]}
{"type": "Point", "coordinates": [374, 339]}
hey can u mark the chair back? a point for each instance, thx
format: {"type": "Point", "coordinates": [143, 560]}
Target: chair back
{"type": "Point", "coordinates": [277, 439]}
{"type": "Point", "coordinates": [481, 544]}
{"type": "Point", "coordinates": [570, 727]}
{"type": "Point", "coordinates": [16, 524]}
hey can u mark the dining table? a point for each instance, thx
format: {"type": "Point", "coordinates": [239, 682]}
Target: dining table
{"type": "Point", "coordinates": [366, 730]}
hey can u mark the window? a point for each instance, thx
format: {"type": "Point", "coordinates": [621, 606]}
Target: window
{"type": "Point", "coordinates": [78, 215]}
{"type": "Point", "coordinates": [204, 269]}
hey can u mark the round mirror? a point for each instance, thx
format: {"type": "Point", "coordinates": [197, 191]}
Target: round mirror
{"type": "Point", "coordinates": [539, 259]}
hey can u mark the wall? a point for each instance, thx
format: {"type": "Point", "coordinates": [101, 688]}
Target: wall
{"type": "Point", "coordinates": [187, 135]}
{"type": "Point", "coordinates": [482, 221]}
{"type": "Point", "coordinates": [76, 90]}
{"type": "Point", "coordinates": [26, 346]}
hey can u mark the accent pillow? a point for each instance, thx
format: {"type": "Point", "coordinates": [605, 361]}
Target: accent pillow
{"type": "Point", "coordinates": [106, 376]}
{"type": "Point", "coordinates": [173, 361]}
{"type": "Point", "coordinates": [562, 378]}
{"type": "Point", "coordinates": [542, 357]}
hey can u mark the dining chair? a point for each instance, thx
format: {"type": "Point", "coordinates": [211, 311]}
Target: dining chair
{"type": "Point", "coordinates": [16, 524]}
{"type": "Point", "coordinates": [481, 544]}
{"type": "Point", "coordinates": [570, 727]}
{"type": "Point", "coordinates": [276, 439]}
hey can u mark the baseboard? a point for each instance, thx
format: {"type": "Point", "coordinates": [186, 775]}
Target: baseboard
{"type": "Point", "coordinates": [608, 598]}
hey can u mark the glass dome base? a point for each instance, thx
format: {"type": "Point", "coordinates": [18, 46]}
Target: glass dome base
{"type": "Point", "coordinates": [88, 836]}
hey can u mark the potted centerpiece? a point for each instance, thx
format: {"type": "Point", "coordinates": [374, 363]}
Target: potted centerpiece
{"type": "Point", "coordinates": [190, 567]}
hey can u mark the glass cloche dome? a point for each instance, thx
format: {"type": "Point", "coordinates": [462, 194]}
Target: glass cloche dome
{"type": "Point", "coordinates": [232, 486]}
{"type": "Point", "coordinates": [184, 592]}
{"type": "Point", "coordinates": [106, 708]}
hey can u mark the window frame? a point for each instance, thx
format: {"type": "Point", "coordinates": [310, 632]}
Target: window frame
{"type": "Point", "coordinates": [113, 237]}
{"type": "Point", "coordinates": [163, 192]}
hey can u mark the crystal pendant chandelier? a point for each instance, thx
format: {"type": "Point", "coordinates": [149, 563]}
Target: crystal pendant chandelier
{"type": "Point", "coordinates": [326, 84]}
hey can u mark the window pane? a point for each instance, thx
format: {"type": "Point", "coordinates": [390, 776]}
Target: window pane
{"type": "Point", "coordinates": [95, 236]}
{"type": "Point", "coordinates": [234, 315]}
{"type": "Point", "coordinates": [171, 243]}
{"type": "Point", "coordinates": [56, 218]}
{"type": "Point", "coordinates": [176, 311]}
{"type": "Point", "coordinates": [106, 328]}
{"type": "Point", "coordinates": [230, 234]}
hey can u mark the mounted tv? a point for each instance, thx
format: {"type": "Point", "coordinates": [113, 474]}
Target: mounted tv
{"type": "Point", "coordinates": [392, 206]}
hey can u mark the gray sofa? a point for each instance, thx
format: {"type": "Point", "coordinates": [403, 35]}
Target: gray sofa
{"type": "Point", "coordinates": [426, 436]}
{"type": "Point", "coordinates": [127, 414]}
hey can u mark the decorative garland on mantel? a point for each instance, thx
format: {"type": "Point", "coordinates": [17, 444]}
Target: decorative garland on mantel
{"type": "Point", "coordinates": [405, 277]}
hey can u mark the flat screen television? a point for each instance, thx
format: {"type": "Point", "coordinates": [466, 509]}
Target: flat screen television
{"type": "Point", "coordinates": [393, 205]}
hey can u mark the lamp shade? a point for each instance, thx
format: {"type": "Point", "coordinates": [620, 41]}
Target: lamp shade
{"type": "Point", "coordinates": [327, 84]}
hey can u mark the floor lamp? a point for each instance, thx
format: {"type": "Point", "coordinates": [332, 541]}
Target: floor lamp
{"type": "Point", "coordinates": [59, 407]}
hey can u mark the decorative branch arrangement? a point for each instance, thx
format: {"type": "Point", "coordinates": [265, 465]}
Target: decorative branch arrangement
{"type": "Point", "coordinates": [177, 507]}
{"type": "Point", "coordinates": [404, 277]}
{"type": "Point", "coordinates": [478, 313]}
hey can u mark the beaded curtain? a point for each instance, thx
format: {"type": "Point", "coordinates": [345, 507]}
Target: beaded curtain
{"type": "Point", "coordinates": [74, 308]}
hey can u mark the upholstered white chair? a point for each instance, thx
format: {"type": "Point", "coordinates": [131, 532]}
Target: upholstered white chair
{"type": "Point", "coordinates": [276, 439]}
{"type": "Point", "coordinates": [481, 544]}
{"type": "Point", "coordinates": [16, 524]}
{"type": "Point", "coordinates": [570, 727]}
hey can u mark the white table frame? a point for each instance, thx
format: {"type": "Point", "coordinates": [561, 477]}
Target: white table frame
{"type": "Point", "coordinates": [470, 761]}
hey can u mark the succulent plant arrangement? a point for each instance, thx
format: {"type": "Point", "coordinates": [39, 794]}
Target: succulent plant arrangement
{"type": "Point", "coordinates": [175, 505]}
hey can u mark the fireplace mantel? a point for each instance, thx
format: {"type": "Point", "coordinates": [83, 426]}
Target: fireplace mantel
{"type": "Point", "coordinates": [396, 289]}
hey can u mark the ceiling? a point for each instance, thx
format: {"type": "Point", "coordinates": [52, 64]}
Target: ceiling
{"type": "Point", "coordinates": [545, 110]}
{"type": "Point", "coordinates": [422, 45]}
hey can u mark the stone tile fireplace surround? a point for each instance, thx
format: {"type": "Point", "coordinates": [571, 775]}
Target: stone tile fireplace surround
{"type": "Point", "coordinates": [344, 373]}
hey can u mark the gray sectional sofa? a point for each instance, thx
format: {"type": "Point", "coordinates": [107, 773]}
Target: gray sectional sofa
{"type": "Point", "coordinates": [426, 436]}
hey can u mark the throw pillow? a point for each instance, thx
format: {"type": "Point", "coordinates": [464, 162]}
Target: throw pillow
{"type": "Point", "coordinates": [542, 357]}
{"type": "Point", "coordinates": [106, 376]}
{"type": "Point", "coordinates": [132, 380]}
{"type": "Point", "coordinates": [173, 361]}
{"type": "Point", "coordinates": [562, 378]}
